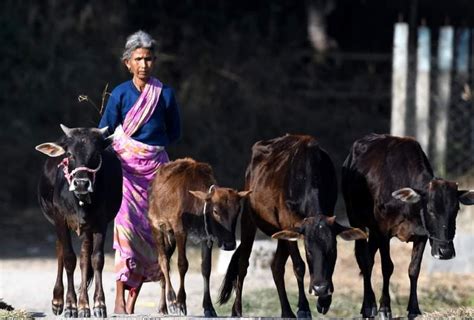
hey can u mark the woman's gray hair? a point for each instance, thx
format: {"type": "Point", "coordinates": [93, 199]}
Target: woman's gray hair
{"type": "Point", "coordinates": [139, 39]}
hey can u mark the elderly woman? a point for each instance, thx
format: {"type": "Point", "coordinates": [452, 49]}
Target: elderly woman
{"type": "Point", "coordinates": [144, 116]}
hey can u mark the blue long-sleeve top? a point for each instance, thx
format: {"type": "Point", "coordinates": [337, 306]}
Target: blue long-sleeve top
{"type": "Point", "coordinates": [164, 125]}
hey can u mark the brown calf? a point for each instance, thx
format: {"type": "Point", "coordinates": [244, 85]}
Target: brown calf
{"type": "Point", "coordinates": [184, 201]}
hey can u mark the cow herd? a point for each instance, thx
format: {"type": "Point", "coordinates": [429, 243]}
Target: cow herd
{"type": "Point", "coordinates": [290, 193]}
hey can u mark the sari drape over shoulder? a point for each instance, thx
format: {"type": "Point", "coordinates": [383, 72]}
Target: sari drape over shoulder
{"type": "Point", "coordinates": [135, 256]}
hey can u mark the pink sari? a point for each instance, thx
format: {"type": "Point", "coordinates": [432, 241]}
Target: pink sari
{"type": "Point", "coordinates": [135, 254]}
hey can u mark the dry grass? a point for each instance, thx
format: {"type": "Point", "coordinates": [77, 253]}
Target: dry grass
{"type": "Point", "coordinates": [459, 313]}
{"type": "Point", "coordinates": [14, 314]}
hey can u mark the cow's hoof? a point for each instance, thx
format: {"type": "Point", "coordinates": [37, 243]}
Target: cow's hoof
{"type": "Point", "coordinates": [70, 312]}
{"type": "Point", "coordinates": [163, 311]}
{"type": "Point", "coordinates": [369, 312]}
{"type": "Point", "coordinates": [323, 304]}
{"type": "Point", "coordinates": [172, 308]}
{"type": "Point", "coordinates": [181, 309]}
{"type": "Point", "coordinates": [84, 313]}
{"type": "Point", "coordinates": [210, 313]}
{"type": "Point", "coordinates": [413, 315]}
{"type": "Point", "coordinates": [385, 313]}
{"type": "Point", "coordinates": [100, 312]}
{"type": "Point", "coordinates": [57, 309]}
{"type": "Point", "coordinates": [236, 314]}
{"type": "Point", "coordinates": [303, 314]}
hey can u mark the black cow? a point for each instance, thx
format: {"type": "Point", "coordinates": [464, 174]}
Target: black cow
{"type": "Point", "coordinates": [389, 188]}
{"type": "Point", "coordinates": [294, 191]}
{"type": "Point", "coordinates": [80, 189]}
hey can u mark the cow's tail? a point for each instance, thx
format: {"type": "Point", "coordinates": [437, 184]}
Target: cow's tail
{"type": "Point", "coordinates": [90, 274]}
{"type": "Point", "coordinates": [230, 278]}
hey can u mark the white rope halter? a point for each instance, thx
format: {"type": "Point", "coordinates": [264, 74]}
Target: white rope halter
{"type": "Point", "coordinates": [204, 213]}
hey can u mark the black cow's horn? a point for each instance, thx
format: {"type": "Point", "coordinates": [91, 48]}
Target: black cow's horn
{"type": "Point", "coordinates": [66, 130]}
{"type": "Point", "coordinates": [104, 130]}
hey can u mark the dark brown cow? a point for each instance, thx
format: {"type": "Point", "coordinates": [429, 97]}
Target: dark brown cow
{"type": "Point", "coordinates": [185, 202]}
{"type": "Point", "coordinates": [80, 189]}
{"type": "Point", "coordinates": [389, 188]}
{"type": "Point", "coordinates": [294, 191]}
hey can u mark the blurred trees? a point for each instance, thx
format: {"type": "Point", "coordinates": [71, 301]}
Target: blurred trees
{"type": "Point", "coordinates": [243, 71]}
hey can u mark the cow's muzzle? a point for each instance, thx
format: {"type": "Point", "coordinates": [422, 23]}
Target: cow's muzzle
{"type": "Point", "coordinates": [81, 186]}
{"type": "Point", "coordinates": [322, 289]}
{"type": "Point", "coordinates": [443, 250]}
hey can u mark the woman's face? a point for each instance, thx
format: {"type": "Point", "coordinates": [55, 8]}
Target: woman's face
{"type": "Point", "coordinates": [141, 63]}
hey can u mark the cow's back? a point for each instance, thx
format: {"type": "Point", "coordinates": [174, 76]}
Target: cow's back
{"type": "Point", "coordinates": [291, 177]}
{"type": "Point", "coordinates": [175, 179]}
{"type": "Point", "coordinates": [376, 166]}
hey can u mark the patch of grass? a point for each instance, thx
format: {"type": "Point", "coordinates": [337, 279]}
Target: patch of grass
{"type": "Point", "coordinates": [346, 304]}
{"type": "Point", "coordinates": [259, 303]}
{"type": "Point", "coordinates": [14, 314]}
{"type": "Point", "coordinates": [265, 303]}
{"type": "Point", "coordinates": [457, 313]}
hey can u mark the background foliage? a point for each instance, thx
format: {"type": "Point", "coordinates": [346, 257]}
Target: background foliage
{"type": "Point", "coordinates": [243, 71]}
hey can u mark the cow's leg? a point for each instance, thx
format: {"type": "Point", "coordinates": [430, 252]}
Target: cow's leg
{"type": "Point", "coordinates": [162, 307]}
{"type": "Point", "coordinates": [364, 253]}
{"type": "Point", "coordinates": [98, 261]}
{"type": "Point", "coordinates": [166, 246]}
{"type": "Point", "coordinates": [278, 272]}
{"type": "Point", "coordinates": [413, 272]}
{"type": "Point", "coordinates": [206, 262]}
{"type": "Point", "coordinates": [183, 268]}
{"type": "Point", "coordinates": [247, 235]}
{"type": "Point", "coordinates": [86, 274]}
{"type": "Point", "coordinates": [70, 261]}
{"type": "Point", "coordinates": [58, 292]}
{"type": "Point", "coordinates": [385, 310]}
{"type": "Point", "coordinates": [299, 270]}
{"type": "Point", "coordinates": [164, 262]}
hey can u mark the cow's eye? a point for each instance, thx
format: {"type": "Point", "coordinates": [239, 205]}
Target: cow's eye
{"type": "Point", "coordinates": [216, 215]}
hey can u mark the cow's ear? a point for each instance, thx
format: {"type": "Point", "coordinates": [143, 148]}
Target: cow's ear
{"type": "Point", "coordinates": [290, 235]}
{"type": "Point", "coordinates": [50, 149]}
{"type": "Point", "coordinates": [466, 197]}
{"type": "Point", "coordinates": [407, 195]}
{"type": "Point", "coordinates": [244, 194]}
{"type": "Point", "coordinates": [353, 234]}
{"type": "Point", "coordinates": [199, 194]}
{"type": "Point", "coordinates": [349, 233]}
